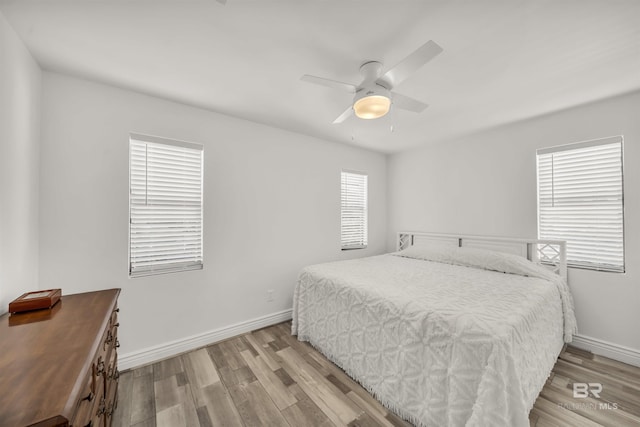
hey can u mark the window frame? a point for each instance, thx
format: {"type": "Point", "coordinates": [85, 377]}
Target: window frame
{"type": "Point", "coordinates": [178, 266]}
{"type": "Point", "coordinates": [364, 240]}
{"type": "Point", "coordinates": [572, 262]}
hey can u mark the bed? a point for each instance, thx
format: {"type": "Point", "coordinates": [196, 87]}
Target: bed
{"type": "Point", "coordinates": [448, 331]}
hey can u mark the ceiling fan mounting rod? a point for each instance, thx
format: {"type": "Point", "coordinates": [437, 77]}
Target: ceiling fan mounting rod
{"type": "Point", "coordinates": [371, 70]}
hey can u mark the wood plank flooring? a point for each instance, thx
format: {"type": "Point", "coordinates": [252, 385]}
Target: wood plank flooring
{"type": "Point", "coordinates": [269, 378]}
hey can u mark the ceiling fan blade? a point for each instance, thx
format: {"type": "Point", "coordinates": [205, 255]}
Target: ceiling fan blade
{"type": "Point", "coordinates": [344, 116]}
{"type": "Point", "coordinates": [406, 103]}
{"type": "Point", "coordinates": [329, 83]}
{"type": "Point", "coordinates": [410, 64]}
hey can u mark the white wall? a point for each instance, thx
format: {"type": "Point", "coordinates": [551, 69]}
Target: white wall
{"type": "Point", "coordinates": [20, 89]}
{"type": "Point", "coordinates": [486, 184]}
{"type": "Point", "coordinates": [272, 202]}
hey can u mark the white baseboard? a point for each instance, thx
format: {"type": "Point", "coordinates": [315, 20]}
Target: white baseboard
{"type": "Point", "coordinates": [607, 349]}
{"type": "Point", "coordinates": [172, 348]}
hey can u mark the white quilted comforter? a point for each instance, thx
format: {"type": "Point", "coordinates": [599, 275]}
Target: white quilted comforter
{"type": "Point", "coordinates": [439, 344]}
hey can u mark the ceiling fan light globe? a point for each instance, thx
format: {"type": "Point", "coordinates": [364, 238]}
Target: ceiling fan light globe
{"type": "Point", "coordinates": [372, 107]}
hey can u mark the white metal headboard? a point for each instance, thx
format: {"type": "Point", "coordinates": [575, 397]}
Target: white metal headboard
{"type": "Point", "coordinates": [552, 254]}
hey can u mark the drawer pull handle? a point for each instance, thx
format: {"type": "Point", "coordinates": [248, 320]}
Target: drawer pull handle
{"type": "Point", "coordinates": [100, 367]}
{"type": "Point", "coordinates": [117, 343]}
{"type": "Point", "coordinates": [114, 374]}
{"type": "Point", "coordinates": [89, 397]}
{"type": "Point", "coordinates": [116, 325]}
{"type": "Point", "coordinates": [117, 310]}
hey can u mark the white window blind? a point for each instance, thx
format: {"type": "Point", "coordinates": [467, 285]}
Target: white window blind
{"type": "Point", "coordinates": [580, 200]}
{"type": "Point", "coordinates": [354, 226]}
{"type": "Point", "coordinates": [165, 203]}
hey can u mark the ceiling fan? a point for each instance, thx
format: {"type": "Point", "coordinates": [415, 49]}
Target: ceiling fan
{"type": "Point", "coordinates": [374, 96]}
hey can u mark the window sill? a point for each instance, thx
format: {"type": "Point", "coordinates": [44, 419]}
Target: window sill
{"type": "Point", "coordinates": [350, 248]}
{"type": "Point", "coordinates": [135, 275]}
{"type": "Point", "coordinates": [603, 269]}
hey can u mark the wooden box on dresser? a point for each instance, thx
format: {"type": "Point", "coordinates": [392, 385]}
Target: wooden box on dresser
{"type": "Point", "coordinates": [59, 367]}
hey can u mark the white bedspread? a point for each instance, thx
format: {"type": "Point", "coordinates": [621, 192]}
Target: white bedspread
{"type": "Point", "coordinates": [440, 344]}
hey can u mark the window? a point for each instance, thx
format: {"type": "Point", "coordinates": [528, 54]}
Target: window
{"type": "Point", "coordinates": [580, 200]}
{"type": "Point", "coordinates": [165, 205]}
{"type": "Point", "coordinates": [353, 212]}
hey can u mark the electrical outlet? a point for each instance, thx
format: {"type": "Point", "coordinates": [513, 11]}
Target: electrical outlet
{"type": "Point", "coordinates": [270, 295]}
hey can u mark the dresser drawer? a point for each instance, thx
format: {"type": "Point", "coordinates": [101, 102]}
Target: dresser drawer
{"type": "Point", "coordinates": [112, 397]}
{"type": "Point", "coordinates": [87, 403]}
{"type": "Point", "coordinates": [114, 317]}
{"type": "Point", "coordinates": [90, 413]}
{"type": "Point", "coordinates": [107, 340]}
{"type": "Point", "coordinates": [92, 404]}
{"type": "Point", "coordinates": [112, 373]}
{"type": "Point", "coordinates": [99, 411]}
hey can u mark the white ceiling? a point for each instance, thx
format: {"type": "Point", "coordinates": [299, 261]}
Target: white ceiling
{"type": "Point", "coordinates": [503, 60]}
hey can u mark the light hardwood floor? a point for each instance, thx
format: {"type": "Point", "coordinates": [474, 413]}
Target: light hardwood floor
{"type": "Point", "coordinates": [267, 377]}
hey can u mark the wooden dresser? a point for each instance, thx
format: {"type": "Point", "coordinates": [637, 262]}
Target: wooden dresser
{"type": "Point", "coordinates": [59, 367]}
